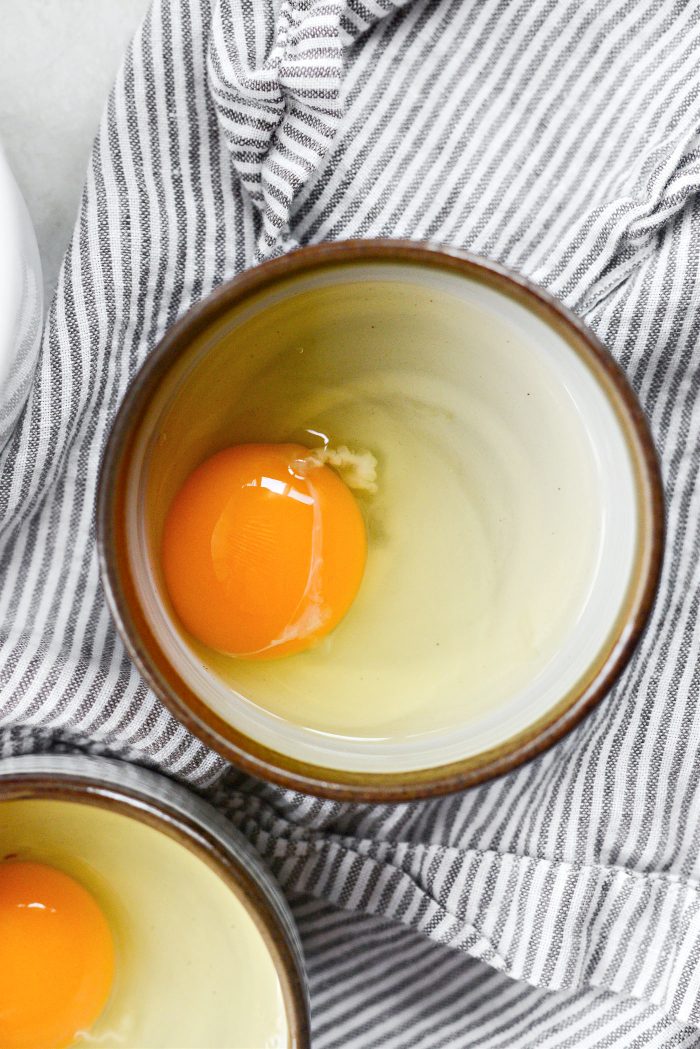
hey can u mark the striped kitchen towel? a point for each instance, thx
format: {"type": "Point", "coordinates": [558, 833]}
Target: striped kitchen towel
{"type": "Point", "coordinates": [556, 907]}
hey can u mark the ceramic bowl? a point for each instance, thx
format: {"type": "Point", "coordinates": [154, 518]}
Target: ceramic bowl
{"type": "Point", "coordinates": [21, 300]}
{"type": "Point", "coordinates": [471, 309]}
{"type": "Point", "coordinates": [195, 916]}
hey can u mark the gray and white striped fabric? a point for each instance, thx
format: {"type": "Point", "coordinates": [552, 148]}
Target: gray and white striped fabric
{"type": "Point", "coordinates": [559, 906]}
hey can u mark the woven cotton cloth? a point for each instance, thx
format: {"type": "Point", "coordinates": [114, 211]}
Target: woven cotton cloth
{"type": "Point", "coordinates": [558, 906]}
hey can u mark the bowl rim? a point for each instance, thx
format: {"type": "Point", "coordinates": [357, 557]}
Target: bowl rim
{"type": "Point", "coordinates": [151, 798]}
{"type": "Point", "coordinates": [347, 785]}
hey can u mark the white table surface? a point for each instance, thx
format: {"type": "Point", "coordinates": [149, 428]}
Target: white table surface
{"type": "Point", "coordinates": [58, 59]}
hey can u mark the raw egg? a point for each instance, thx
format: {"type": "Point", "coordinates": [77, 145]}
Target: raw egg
{"type": "Point", "coordinates": [264, 549]}
{"type": "Point", "coordinates": [194, 970]}
{"type": "Point", "coordinates": [56, 957]}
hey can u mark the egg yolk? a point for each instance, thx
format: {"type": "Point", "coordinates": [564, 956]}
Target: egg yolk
{"type": "Point", "coordinates": [263, 551]}
{"type": "Point", "coordinates": [56, 957]}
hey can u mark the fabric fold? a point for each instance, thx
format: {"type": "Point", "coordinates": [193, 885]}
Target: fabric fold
{"type": "Point", "coordinates": [553, 924]}
{"type": "Point", "coordinates": [276, 78]}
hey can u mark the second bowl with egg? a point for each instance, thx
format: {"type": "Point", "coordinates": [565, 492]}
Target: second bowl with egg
{"type": "Point", "coordinates": [132, 914]}
{"type": "Point", "coordinates": [379, 520]}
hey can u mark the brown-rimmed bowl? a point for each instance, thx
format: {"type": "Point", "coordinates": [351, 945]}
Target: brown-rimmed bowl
{"type": "Point", "coordinates": [195, 916]}
{"type": "Point", "coordinates": [460, 316]}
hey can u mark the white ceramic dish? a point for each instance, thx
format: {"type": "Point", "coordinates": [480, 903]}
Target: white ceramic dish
{"type": "Point", "coordinates": [21, 300]}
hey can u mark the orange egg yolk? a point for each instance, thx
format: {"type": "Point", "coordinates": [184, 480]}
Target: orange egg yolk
{"type": "Point", "coordinates": [56, 957]}
{"type": "Point", "coordinates": [263, 553]}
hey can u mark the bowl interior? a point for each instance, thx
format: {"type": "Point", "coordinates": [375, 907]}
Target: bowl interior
{"type": "Point", "coordinates": [444, 376]}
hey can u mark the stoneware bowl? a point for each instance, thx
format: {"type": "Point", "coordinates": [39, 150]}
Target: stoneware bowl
{"type": "Point", "coordinates": [449, 311]}
{"type": "Point", "coordinates": [181, 888]}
